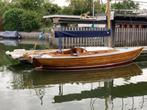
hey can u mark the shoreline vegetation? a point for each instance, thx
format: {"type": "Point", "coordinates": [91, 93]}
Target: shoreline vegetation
{"type": "Point", "coordinates": [27, 15]}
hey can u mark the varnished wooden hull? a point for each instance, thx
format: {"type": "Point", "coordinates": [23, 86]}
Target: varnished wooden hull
{"type": "Point", "coordinates": [89, 61]}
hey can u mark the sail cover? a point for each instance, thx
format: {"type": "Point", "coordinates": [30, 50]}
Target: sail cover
{"type": "Point", "coordinates": [96, 33]}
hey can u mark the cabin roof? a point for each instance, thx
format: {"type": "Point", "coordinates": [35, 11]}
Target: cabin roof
{"type": "Point", "coordinates": [78, 19]}
{"type": "Point", "coordinates": [61, 16]}
{"type": "Point", "coordinates": [119, 17]}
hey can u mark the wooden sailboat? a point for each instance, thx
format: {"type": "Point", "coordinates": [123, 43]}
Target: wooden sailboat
{"type": "Point", "coordinates": [78, 58]}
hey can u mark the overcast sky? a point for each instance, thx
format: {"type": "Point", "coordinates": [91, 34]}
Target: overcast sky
{"type": "Point", "coordinates": [61, 2]}
{"type": "Point", "coordinates": [64, 3]}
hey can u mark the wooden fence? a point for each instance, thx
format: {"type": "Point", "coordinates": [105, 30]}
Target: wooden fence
{"type": "Point", "coordinates": [68, 42]}
{"type": "Point", "coordinates": [130, 37]}
{"type": "Point", "coordinates": [121, 37]}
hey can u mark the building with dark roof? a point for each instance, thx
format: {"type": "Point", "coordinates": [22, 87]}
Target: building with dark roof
{"type": "Point", "coordinates": [66, 20]}
{"type": "Point", "coordinates": [130, 19]}
{"type": "Point", "coordinates": [120, 19]}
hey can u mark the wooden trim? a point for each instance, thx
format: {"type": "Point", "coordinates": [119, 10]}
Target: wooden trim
{"type": "Point", "coordinates": [87, 62]}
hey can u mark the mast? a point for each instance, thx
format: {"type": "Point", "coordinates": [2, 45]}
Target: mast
{"type": "Point", "coordinates": [108, 14]}
{"type": "Point", "coordinates": [93, 7]}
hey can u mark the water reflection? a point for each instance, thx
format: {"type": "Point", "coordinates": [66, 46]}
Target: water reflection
{"type": "Point", "coordinates": [25, 43]}
{"type": "Point", "coordinates": [101, 83]}
{"type": "Point", "coordinates": [120, 88]}
{"type": "Point", "coordinates": [9, 42]}
{"type": "Point", "coordinates": [46, 77]}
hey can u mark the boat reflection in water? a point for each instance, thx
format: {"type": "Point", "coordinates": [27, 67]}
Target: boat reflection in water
{"type": "Point", "coordinates": [46, 77]}
{"type": "Point", "coordinates": [104, 78]}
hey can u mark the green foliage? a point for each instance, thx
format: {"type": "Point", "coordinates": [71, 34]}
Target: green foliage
{"type": "Point", "coordinates": [25, 15]}
{"type": "Point", "coordinates": [67, 10]}
{"type": "Point", "coordinates": [20, 20]}
{"type": "Point", "coordinates": [79, 7]}
{"type": "Point", "coordinates": [12, 19]}
{"type": "Point", "coordinates": [49, 8]}
{"type": "Point", "coordinates": [5, 6]}
{"type": "Point", "coordinates": [33, 5]}
{"type": "Point", "coordinates": [103, 8]}
{"type": "Point", "coordinates": [84, 8]}
{"type": "Point", "coordinates": [127, 4]}
{"type": "Point", "coordinates": [30, 21]}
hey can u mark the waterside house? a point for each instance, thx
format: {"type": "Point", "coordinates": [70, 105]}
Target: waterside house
{"type": "Point", "coordinates": [76, 21]}
{"type": "Point", "coordinates": [129, 28]}
{"type": "Point", "coordinates": [119, 19]}
{"type": "Point", "coordinates": [130, 19]}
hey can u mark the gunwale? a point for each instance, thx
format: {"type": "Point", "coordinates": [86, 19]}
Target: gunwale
{"type": "Point", "coordinates": [118, 51]}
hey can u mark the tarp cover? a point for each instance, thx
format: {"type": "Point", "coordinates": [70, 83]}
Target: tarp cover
{"type": "Point", "coordinates": [10, 35]}
{"type": "Point", "coordinates": [102, 33]}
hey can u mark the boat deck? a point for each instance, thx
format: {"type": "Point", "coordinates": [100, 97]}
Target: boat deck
{"type": "Point", "coordinates": [72, 53]}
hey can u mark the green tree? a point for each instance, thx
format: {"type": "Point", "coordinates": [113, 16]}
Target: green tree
{"type": "Point", "coordinates": [12, 19]}
{"type": "Point", "coordinates": [127, 4]}
{"type": "Point", "coordinates": [30, 21]}
{"type": "Point", "coordinates": [21, 20]}
{"type": "Point", "coordinates": [50, 8]}
{"type": "Point", "coordinates": [33, 5]}
{"type": "Point", "coordinates": [83, 6]}
{"type": "Point", "coordinates": [66, 10]}
{"type": "Point", "coordinates": [4, 6]}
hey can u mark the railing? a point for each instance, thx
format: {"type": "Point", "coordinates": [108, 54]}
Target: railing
{"type": "Point", "coordinates": [83, 41]}
{"type": "Point", "coordinates": [121, 37]}
{"type": "Point", "coordinates": [130, 37]}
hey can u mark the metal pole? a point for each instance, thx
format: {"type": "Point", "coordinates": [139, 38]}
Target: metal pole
{"type": "Point", "coordinates": [108, 13]}
{"type": "Point", "coordinates": [93, 7]}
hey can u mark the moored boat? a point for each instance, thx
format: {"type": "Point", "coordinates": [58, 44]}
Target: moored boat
{"type": "Point", "coordinates": [77, 58]}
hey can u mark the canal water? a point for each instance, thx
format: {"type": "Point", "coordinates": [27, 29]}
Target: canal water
{"type": "Point", "coordinates": [24, 88]}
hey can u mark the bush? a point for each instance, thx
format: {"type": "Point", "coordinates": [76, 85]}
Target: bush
{"type": "Point", "coordinates": [30, 21]}
{"type": "Point", "coordinates": [21, 20]}
{"type": "Point", "coordinates": [12, 19]}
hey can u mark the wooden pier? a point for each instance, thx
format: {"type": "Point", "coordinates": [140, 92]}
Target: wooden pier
{"type": "Point", "coordinates": [121, 37]}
